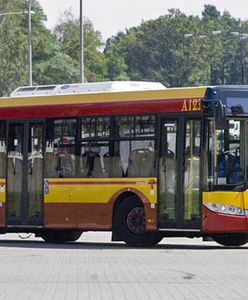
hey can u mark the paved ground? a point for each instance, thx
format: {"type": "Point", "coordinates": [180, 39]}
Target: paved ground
{"type": "Point", "coordinates": [94, 268]}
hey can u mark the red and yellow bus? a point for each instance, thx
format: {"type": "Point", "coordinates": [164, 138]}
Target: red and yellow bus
{"type": "Point", "coordinates": [137, 159]}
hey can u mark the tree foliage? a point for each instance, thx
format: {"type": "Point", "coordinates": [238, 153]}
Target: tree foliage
{"type": "Point", "coordinates": [68, 32]}
{"type": "Point", "coordinates": [180, 50]}
{"type": "Point", "coordinates": [14, 49]}
{"type": "Point", "coordinates": [13, 54]}
{"type": "Point", "coordinates": [175, 49]}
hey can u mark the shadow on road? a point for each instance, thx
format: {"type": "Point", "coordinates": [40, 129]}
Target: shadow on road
{"type": "Point", "coordinates": [81, 245]}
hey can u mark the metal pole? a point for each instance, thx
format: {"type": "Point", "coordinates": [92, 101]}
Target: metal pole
{"type": "Point", "coordinates": [212, 71]}
{"type": "Point", "coordinates": [242, 61]}
{"type": "Point", "coordinates": [243, 37]}
{"type": "Point", "coordinates": [30, 44]}
{"type": "Point", "coordinates": [81, 43]}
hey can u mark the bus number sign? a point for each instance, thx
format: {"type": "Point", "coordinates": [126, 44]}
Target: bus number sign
{"type": "Point", "coordinates": [191, 104]}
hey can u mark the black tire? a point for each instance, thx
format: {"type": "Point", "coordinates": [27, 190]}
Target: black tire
{"type": "Point", "coordinates": [130, 224]}
{"type": "Point", "coordinates": [230, 239]}
{"type": "Point", "coordinates": [61, 236]}
{"type": "Point", "coordinates": [73, 235]}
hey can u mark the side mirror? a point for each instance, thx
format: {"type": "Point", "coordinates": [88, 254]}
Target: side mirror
{"type": "Point", "coordinates": [220, 116]}
{"type": "Point", "coordinates": [217, 110]}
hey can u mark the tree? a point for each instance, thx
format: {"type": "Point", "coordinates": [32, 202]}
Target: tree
{"type": "Point", "coordinates": [68, 32]}
{"type": "Point", "coordinates": [49, 64]}
{"type": "Point", "coordinates": [155, 50]}
{"type": "Point", "coordinates": [180, 50]}
{"type": "Point", "coordinates": [175, 49]}
{"type": "Point", "coordinates": [210, 12]}
{"type": "Point", "coordinates": [13, 53]}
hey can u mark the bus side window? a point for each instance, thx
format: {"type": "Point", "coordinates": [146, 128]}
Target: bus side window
{"type": "Point", "coordinates": [141, 159]}
{"type": "Point", "coordinates": [136, 136]}
{"type": "Point", "coordinates": [228, 169]}
{"type": "Point", "coordinates": [124, 155]}
{"type": "Point", "coordinates": [51, 160]}
{"type": "Point", "coordinates": [60, 154]}
{"type": "Point", "coordinates": [97, 161]}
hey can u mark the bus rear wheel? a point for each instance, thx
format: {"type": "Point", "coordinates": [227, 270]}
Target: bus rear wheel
{"type": "Point", "coordinates": [61, 236]}
{"type": "Point", "coordinates": [230, 239]}
{"type": "Point", "coordinates": [130, 224]}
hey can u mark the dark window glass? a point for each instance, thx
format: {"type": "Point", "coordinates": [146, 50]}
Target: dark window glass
{"type": "Point", "coordinates": [96, 127]}
{"type": "Point", "coordinates": [144, 126]}
{"type": "Point", "coordinates": [125, 126]}
{"type": "Point", "coordinates": [135, 126]}
{"type": "Point", "coordinates": [226, 156]}
{"type": "Point", "coordinates": [88, 128]}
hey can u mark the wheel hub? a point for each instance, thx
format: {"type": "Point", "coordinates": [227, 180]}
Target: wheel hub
{"type": "Point", "coordinates": [136, 221]}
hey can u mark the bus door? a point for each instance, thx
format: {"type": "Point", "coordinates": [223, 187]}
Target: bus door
{"type": "Point", "coordinates": [25, 174]}
{"type": "Point", "coordinates": [179, 174]}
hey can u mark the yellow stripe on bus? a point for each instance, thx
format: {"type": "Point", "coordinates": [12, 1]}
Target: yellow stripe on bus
{"type": "Point", "coordinates": [225, 198]}
{"type": "Point", "coordinates": [2, 190]}
{"type": "Point", "coordinates": [96, 190]}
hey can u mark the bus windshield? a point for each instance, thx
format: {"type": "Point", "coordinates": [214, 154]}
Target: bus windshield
{"type": "Point", "coordinates": [227, 155]}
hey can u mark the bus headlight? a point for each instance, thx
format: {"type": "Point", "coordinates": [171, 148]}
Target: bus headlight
{"type": "Point", "coordinates": [214, 207]}
{"type": "Point", "coordinates": [231, 209]}
{"type": "Point", "coordinates": [225, 209]}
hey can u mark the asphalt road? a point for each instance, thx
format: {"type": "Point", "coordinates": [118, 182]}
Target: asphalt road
{"type": "Point", "coordinates": [94, 268]}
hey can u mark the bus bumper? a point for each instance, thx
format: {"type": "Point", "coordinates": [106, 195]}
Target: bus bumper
{"type": "Point", "coordinates": [214, 222]}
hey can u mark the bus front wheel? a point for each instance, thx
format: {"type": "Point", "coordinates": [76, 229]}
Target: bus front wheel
{"type": "Point", "coordinates": [130, 224]}
{"type": "Point", "coordinates": [230, 239]}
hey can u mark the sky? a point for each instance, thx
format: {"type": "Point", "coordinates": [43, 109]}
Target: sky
{"type": "Point", "coordinates": [112, 16]}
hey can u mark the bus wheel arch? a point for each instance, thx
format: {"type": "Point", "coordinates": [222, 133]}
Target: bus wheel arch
{"type": "Point", "coordinates": [129, 222]}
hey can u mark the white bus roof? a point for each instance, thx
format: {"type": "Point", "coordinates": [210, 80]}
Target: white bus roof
{"type": "Point", "coordinates": [89, 87]}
